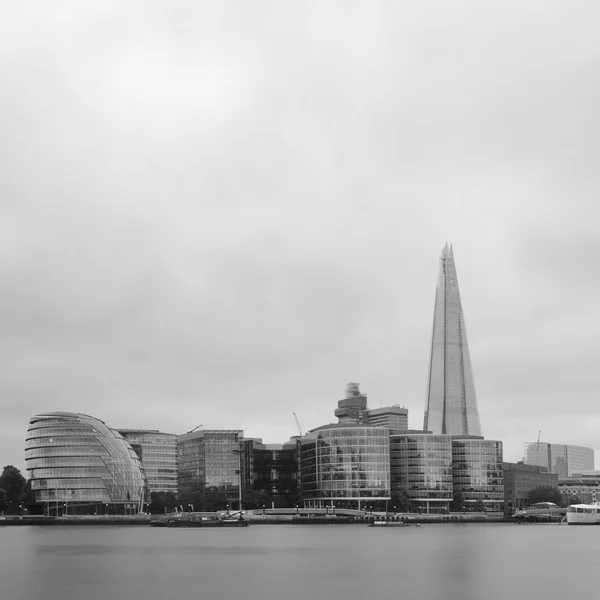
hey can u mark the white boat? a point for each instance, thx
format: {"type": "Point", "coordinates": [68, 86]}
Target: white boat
{"type": "Point", "coordinates": [584, 514]}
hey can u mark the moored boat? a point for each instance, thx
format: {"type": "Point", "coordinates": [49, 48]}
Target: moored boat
{"type": "Point", "coordinates": [584, 514]}
{"type": "Point", "coordinates": [194, 521]}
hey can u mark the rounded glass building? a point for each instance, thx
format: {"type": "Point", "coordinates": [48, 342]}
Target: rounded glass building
{"type": "Point", "coordinates": [346, 466]}
{"type": "Point", "coordinates": [78, 465]}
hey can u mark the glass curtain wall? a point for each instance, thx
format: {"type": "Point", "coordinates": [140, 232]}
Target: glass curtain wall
{"type": "Point", "coordinates": [346, 466]}
{"type": "Point", "coordinates": [421, 470]}
{"type": "Point", "coordinates": [477, 473]}
{"type": "Point", "coordinates": [79, 465]}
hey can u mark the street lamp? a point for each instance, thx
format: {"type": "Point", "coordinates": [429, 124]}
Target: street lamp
{"type": "Point", "coordinates": [263, 510]}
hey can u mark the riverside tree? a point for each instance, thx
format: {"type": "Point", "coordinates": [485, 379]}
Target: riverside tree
{"type": "Point", "coordinates": [13, 485]}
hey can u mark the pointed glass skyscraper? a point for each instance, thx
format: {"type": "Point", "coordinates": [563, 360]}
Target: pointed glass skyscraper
{"type": "Point", "coordinates": [451, 402]}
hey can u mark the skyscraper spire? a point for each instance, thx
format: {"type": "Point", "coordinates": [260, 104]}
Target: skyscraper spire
{"type": "Point", "coordinates": [451, 401]}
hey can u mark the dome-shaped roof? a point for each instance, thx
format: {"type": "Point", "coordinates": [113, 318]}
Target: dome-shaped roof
{"type": "Point", "coordinates": [77, 458]}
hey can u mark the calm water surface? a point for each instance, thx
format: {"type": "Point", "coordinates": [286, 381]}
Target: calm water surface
{"type": "Point", "coordinates": [288, 562]}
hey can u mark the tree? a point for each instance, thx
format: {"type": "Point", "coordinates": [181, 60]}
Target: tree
{"type": "Point", "coordinates": [479, 505]}
{"type": "Point", "coordinates": [401, 501]}
{"type": "Point", "coordinates": [13, 484]}
{"type": "Point", "coordinates": [458, 500]}
{"type": "Point", "coordinates": [254, 499]}
{"type": "Point", "coordinates": [159, 501]}
{"type": "Point", "coordinates": [545, 493]}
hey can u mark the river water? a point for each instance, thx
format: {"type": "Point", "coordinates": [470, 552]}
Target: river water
{"type": "Point", "coordinates": [300, 562]}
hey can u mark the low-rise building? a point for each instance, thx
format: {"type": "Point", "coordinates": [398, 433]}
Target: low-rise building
{"type": "Point", "coordinates": [520, 479]}
{"type": "Point", "coordinates": [580, 489]}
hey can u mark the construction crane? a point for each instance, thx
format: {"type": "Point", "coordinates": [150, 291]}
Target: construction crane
{"type": "Point", "coordinates": [297, 424]}
{"type": "Point", "coordinates": [538, 442]}
{"type": "Point", "coordinates": [192, 430]}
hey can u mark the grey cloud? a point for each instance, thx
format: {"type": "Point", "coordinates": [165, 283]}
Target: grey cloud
{"type": "Point", "coordinates": [219, 216]}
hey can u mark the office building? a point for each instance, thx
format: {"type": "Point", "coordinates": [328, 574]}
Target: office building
{"type": "Point", "coordinates": [520, 479]}
{"type": "Point", "coordinates": [207, 465]}
{"type": "Point", "coordinates": [346, 465]}
{"type": "Point", "coordinates": [79, 465]}
{"type": "Point", "coordinates": [158, 453]}
{"type": "Point", "coordinates": [421, 470]}
{"type": "Point", "coordinates": [451, 402]}
{"type": "Point", "coordinates": [394, 417]}
{"type": "Point", "coordinates": [563, 459]}
{"type": "Point", "coordinates": [477, 472]}
{"type": "Point", "coordinates": [272, 470]}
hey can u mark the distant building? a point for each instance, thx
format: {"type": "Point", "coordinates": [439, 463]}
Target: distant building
{"type": "Point", "coordinates": [580, 489]}
{"type": "Point", "coordinates": [451, 401]}
{"type": "Point", "coordinates": [79, 465]}
{"type": "Point", "coordinates": [207, 463]}
{"type": "Point", "coordinates": [520, 479]}
{"type": "Point", "coordinates": [562, 459]}
{"type": "Point", "coordinates": [271, 469]}
{"type": "Point", "coordinates": [392, 417]}
{"type": "Point", "coordinates": [158, 453]}
{"type": "Point", "coordinates": [346, 466]}
{"type": "Point", "coordinates": [421, 468]}
{"type": "Point", "coordinates": [352, 408]}
{"type": "Point", "coordinates": [477, 471]}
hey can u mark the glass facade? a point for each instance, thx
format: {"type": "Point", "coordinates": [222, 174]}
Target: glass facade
{"type": "Point", "coordinates": [421, 467]}
{"type": "Point", "coordinates": [158, 454]}
{"type": "Point", "coordinates": [345, 466]}
{"type": "Point", "coordinates": [207, 462]}
{"type": "Point", "coordinates": [477, 471]}
{"type": "Point", "coordinates": [451, 401]}
{"type": "Point", "coordinates": [78, 464]}
{"type": "Point", "coordinates": [272, 469]}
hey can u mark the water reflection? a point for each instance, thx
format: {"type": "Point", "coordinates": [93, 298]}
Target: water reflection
{"type": "Point", "coordinates": [298, 562]}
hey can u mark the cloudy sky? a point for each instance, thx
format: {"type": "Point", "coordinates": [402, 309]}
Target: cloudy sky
{"type": "Point", "coordinates": [220, 213]}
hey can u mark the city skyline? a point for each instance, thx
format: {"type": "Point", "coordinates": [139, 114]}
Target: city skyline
{"type": "Point", "coordinates": [451, 405]}
{"type": "Point", "coordinates": [202, 224]}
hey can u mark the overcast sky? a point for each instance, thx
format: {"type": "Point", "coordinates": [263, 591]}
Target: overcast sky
{"type": "Point", "coordinates": [220, 213]}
